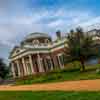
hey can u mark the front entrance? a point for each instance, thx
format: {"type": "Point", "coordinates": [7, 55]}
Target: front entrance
{"type": "Point", "coordinates": [49, 64]}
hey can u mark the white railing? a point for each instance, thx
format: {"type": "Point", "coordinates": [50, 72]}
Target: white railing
{"type": "Point", "coordinates": [44, 45]}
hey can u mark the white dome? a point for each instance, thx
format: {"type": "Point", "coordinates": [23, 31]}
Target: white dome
{"type": "Point", "coordinates": [37, 35]}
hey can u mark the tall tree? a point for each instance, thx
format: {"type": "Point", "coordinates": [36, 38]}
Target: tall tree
{"type": "Point", "coordinates": [80, 47]}
{"type": "Point", "coordinates": [3, 69]}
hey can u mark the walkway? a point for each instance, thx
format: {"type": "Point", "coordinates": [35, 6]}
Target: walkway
{"type": "Point", "coordinates": [67, 85]}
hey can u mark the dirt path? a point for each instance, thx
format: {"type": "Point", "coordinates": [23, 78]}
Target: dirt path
{"type": "Point", "coordinates": [67, 85]}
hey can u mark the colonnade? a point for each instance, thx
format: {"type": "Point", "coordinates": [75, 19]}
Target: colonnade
{"type": "Point", "coordinates": [28, 69]}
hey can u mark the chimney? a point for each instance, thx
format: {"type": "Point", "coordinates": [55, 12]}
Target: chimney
{"type": "Point", "coordinates": [58, 35]}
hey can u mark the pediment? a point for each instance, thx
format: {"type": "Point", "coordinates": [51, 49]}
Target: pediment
{"type": "Point", "coordinates": [15, 51]}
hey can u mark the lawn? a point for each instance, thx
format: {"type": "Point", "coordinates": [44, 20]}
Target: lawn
{"type": "Point", "coordinates": [58, 95]}
{"type": "Point", "coordinates": [71, 72]}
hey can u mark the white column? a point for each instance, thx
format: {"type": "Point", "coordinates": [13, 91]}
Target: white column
{"type": "Point", "coordinates": [25, 71]}
{"type": "Point", "coordinates": [31, 63]}
{"type": "Point", "coordinates": [12, 69]}
{"type": "Point", "coordinates": [39, 63]}
{"type": "Point", "coordinates": [61, 65]}
{"type": "Point", "coordinates": [18, 67]}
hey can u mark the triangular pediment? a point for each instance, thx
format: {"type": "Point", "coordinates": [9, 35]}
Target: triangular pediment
{"type": "Point", "coordinates": [14, 51]}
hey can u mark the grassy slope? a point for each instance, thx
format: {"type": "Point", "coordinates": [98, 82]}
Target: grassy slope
{"type": "Point", "coordinates": [71, 72]}
{"type": "Point", "coordinates": [58, 95]}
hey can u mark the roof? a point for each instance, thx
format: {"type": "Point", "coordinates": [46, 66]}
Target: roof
{"type": "Point", "coordinates": [16, 47]}
{"type": "Point", "coordinates": [37, 35]}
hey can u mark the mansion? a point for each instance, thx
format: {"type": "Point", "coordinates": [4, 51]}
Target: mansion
{"type": "Point", "coordinates": [37, 53]}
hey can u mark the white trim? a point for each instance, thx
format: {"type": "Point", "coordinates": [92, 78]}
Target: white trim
{"type": "Point", "coordinates": [60, 54]}
{"type": "Point", "coordinates": [52, 47]}
{"type": "Point", "coordinates": [35, 52]}
{"type": "Point", "coordinates": [21, 50]}
{"type": "Point", "coordinates": [35, 42]}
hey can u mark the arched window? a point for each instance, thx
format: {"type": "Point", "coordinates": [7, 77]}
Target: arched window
{"type": "Point", "coordinates": [36, 42]}
{"type": "Point", "coordinates": [17, 51]}
{"type": "Point", "coordinates": [49, 64]}
{"type": "Point", "coordinates": [47, 41]}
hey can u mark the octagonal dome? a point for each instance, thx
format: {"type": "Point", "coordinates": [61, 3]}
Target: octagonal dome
{"type": "Point", "coordinates": [37, 35]}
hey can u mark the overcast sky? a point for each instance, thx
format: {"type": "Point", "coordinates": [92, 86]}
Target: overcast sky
{"type": "Point", "coordinates": [21, 17]}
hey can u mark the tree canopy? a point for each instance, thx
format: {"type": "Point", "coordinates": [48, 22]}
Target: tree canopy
{"type": "Point", "coordinates": [80, 46]}
{"type": "Point", "coordinates": [3, 69]}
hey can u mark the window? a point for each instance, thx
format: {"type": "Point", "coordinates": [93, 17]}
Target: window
{"type": "Point", "coordinates": [17, 51]}
{"type": "Point", "coordinates": [47, 41]}
{"type": "Point", "coordinates": [61, 58]}
{"type": "Point", "coordinates": [36, 42]}
{"type": "Point", "coordinates": [49, 64]}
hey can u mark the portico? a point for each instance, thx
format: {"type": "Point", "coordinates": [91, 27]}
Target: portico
{"type": "Point", "coordinates": [27, 65]}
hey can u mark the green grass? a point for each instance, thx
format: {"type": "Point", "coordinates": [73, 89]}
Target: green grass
{"type": "Point", "coordinates": [72, 72]}
{"type": "Point", "coordinates": [53, 95]}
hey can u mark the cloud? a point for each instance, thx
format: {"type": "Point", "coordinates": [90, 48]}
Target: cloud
{"type": "Point", "coordinates": [19, 18]}
{"type": "Point", "coordinates": [16, 27]}
{"type": "Point", "coordinates": [91, 23]}
{"type": "Point", "coordinates": [66, 20]}
{"type": "Point", "coordinates": [55, 23]}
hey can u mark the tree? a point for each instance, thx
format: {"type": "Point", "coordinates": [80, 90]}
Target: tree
{"type": "Point", "coordinates": [80, 47]}
{"type": "Point", "coordinates": [58, 34]}
{"type": "Point", "coordinates": [3, 69]}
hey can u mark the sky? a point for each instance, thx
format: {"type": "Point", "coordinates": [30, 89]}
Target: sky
{"type": "Point", "coordinates": [18, 18]}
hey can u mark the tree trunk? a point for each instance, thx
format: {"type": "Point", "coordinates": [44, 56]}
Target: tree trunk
{"type": "Point", "coordinates": [82, 64]}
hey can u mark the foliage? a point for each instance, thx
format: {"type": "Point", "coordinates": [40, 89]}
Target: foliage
{"type": "Point", "coordinates": [3, 69]}
{"type": "Point", "coordinates": [80, 47]}
{"type": "Point", "coordinates": [49, 95]}
{"type": "Point", "coordinates": [70, 73]}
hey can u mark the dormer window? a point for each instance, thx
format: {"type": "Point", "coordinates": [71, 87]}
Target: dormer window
{"type": "Point", "coordinates": [36, 42]}
{"type": "Point", "coordinates": [47, 41]}
{"type": "Point", "coordinates": [17, 51]}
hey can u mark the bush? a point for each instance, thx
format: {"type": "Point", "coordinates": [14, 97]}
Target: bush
{"type": "Point", "coordinates": [98, 71]}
